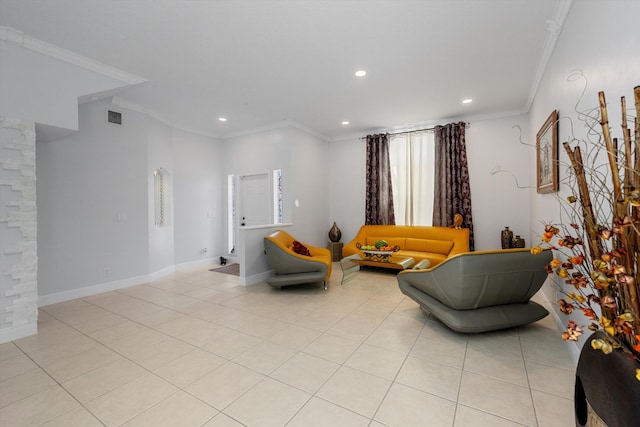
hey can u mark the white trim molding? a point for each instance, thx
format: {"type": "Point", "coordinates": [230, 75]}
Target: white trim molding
{"type": "Point", "coordinates": [554, 28]}
{"type": "Point", "coordinates": [44, 300]}
{"type": "Point", "coordinates": [17, 332]}
{"type": "Point", "coordinates": [276, 125]}
{"type": "Point", "coordinates": [255, 278]}
{"type": "Point", "coordinates": [17, 37]}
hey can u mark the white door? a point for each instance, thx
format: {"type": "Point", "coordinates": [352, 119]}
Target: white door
{"type": "Point", "coordinates": [255, 200]}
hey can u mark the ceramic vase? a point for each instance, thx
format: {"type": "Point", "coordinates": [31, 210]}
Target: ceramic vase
{"type": "Point", "coordinates": [517, 242]}
{"type": "Point", "coordinates": [606, 388]}
{"type": "Point", "coordinates": [506, 237]}
{"type": "Point", "coordinates": [334, 233]}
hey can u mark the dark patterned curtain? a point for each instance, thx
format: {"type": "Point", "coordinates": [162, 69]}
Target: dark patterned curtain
{"type": "Point", "coordinates": [379, 202]}
{"type": "Point", "coordinates": [452, 193]}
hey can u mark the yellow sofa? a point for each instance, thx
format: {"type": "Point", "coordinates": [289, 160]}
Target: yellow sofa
{"type": "Point", "coordinates": [418, 242]}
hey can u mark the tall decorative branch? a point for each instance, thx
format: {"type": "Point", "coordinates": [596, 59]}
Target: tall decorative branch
{"type": "Point", "coordinates": [605, 266]}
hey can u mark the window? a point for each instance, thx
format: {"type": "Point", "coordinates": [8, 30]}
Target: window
{"type": "Point", "coordinates": [412, 157]}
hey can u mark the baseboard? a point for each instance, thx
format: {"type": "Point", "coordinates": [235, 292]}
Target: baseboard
{"type": "Point", "coordinates": [17, 332]}
{"type": "Point", "coordinates": [256, 278]}
{"type": "Point", "coordinates": [193, 264]}
{"type": "Point", "coordinates": [161, 273]}
{"type": "Point", "coordinates": [86, 291]}
{"type": "Point", "coordinates": [71, 294]}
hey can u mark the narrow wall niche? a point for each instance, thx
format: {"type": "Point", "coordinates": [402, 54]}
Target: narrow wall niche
{"type": "Point", "coordinates": [160, 197]}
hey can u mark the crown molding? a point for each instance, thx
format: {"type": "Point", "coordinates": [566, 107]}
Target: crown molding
{"type": "Point", "coordinates": [554, 28]}
{"type": "Point", "coordinates": [184, 128]}
{"type": "Point", "coordinates": [276, 125]}
{"type": "Point", "coordinates": [411, 127]}
{"type": "Point", "coordinates": [258, 129]}
{"type": "Point", "coordinates": [17, 37]}
{"type": "Point", "coordinates": [132, 106]}
{"type": "Point", "coordinates": [128, 105]}
{"type": "Point", "coordinates": [306, 129]}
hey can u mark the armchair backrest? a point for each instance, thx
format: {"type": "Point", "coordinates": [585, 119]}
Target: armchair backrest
{"type": "Point", "coordinates": [281, 238]}
{"type": "Point", "coordinates": [481, 279]}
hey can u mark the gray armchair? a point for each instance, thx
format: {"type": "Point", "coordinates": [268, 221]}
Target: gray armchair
{"type": "Point", "coordinates": [480, 291]}
{"type": "Point", "coordinates": [291, 268]}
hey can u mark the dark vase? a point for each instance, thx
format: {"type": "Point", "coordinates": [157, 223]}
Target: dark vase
{"type": "Point", "coordinates": [505, 237]}
{"type": "Point", "coordinates": [517, 242]}
{"type": "Point", "coordinates": [606, 387]}
{"type": "Point", "coordinates": [334, 233]}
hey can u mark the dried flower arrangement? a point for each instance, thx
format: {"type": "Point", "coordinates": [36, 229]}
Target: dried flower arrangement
{"type": "Point", "coordinates": [598, 246]}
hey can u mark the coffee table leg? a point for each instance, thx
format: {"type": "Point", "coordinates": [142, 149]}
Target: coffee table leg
{"type": "Point", "coordinates": [349, 268]}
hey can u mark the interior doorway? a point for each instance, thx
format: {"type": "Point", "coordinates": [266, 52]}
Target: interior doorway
{"type": "Point", "coordinates": [253, 200]}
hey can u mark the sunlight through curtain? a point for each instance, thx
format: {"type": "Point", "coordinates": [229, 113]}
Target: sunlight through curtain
{"type": "Point", "coordinates": [412, 175]}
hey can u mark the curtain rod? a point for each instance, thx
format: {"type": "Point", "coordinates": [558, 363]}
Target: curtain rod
{"type": "Point", "coordinates": [467, 125]}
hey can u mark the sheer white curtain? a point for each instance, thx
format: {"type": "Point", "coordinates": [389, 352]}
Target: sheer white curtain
{"type": "Point", "coordinates": [412, 176]}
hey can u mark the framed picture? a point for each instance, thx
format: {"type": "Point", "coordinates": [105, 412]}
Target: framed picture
{"type": "Point", "coordinates": [547, 155]}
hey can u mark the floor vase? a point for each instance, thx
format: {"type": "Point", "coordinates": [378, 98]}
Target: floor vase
{"type": "Point", "coordinates": [607, 392]}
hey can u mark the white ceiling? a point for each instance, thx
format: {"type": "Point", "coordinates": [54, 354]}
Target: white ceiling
{"type": "Point", "coordinates": [262, 62]}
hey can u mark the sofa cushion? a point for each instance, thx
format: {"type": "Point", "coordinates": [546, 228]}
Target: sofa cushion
{"type": "Point", "coordinates": [301, 249]}
{"type": "Point", "coordinates": [428, 245]}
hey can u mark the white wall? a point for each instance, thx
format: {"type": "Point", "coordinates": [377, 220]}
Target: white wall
{"type": "Point", "coordinates": [302, 157]}
{"type": "Point", "coordinates": [501, 199]}
{"type": "Point", "coordinates": [601, 39]}
{"type": "Point", "coordinates": [261, 152]}
{"type": "Point", "coordinates": [40, 84]}
{"type": "Point", "coordinates": [310, 187]}
{"type": "Point", "coordinates": [92, 203]}
{"type": "Point", "coordinates": [198, 204]}
{"type": "Point", "coordinates": [96, 203]}
{"type": "Point", "coordinates": [159, 145]}
{"type": "Point", "coordinates": [346, 176]}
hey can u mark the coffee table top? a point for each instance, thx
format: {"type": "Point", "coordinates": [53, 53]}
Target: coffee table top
{"type": "Point", "coordinates": [351, 264]}
{"type": "Point", "coordinates": [390, 261]}
{"type": "Point", "coordinates": [394, 262]}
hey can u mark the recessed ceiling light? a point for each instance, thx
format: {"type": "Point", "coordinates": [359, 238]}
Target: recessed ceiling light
{"type": "Point", "coordinates": [361, 73]}
{"type": "Point", "coordinates": [222, 119]}
{"type": "Point", "coordinates": [467, 101]}
{"type": "Point", "coordinates": [345, 122]}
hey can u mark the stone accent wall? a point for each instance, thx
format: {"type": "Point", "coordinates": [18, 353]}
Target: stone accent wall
{"type": "Point", "coordinates": [18, 229]}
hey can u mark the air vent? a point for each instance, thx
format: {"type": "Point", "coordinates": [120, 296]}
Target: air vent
{"type": "Point", "coordinates": [114, 117]}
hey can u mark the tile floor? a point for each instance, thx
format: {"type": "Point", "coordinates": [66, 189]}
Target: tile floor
{"type": "Point", "coordinates": [196, 349]}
